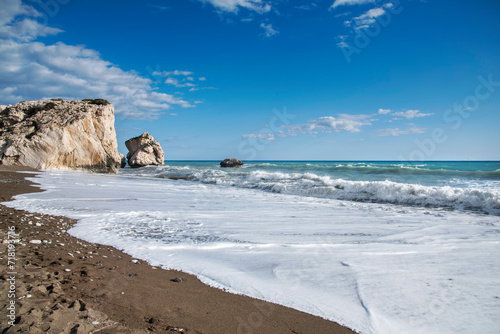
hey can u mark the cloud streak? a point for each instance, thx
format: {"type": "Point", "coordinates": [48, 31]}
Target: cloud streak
{"type": "Point", "coordinates": [325, 124]}
{"type": "Point", "coordinates": [233, 6]}
{"type": "Point", "coordinates": [397, 132]}
{"type": "Point", "coordinates": [338, 3]}
{"type": "Point", "coordinates": [409, 114]}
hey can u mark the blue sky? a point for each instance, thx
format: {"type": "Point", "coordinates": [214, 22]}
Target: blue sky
{"type": "Point", "coordinates": [270, 79]}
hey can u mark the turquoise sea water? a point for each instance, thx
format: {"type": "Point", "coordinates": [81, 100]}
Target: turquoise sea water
{"type": "Point", "coordinates": [470, 185]}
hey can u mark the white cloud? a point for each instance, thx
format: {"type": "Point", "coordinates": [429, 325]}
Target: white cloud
{"type": "Point", "coordinates": [384, 111]}
{"type": "Point", "coordinates": [26, 30]}
{"type": "Point", "coordinates": [175, 82]}
{"type": "Point", "coordinates": [368, 18]}
{"type": "Point", "coordinates": [411, 114]}
{"type": "Point", "coordinates": [14, 24]}
{"type": "Point", "coordinates": [326, 124]}
{"type": "Point", "coordinates": [172, 78]}
{"type": "Point", "coordinates": [269, 31]}
{"type": "Point", "coordinates": [31, 70]}
{"type": "Point", "coordinates": [342, 41]}
{"type": "Point", "coordinates": [397, 132]}
{"type": "Point", "coordinates": [350, 2]}
{"type": "Point", "coordinates": [361, 22]}
{"type": "Point", "coordinates": [344, 122]}
{"type": "Point", "coordinates": [11, 9]}
{"type": "Point", "coordinates": [194, 89]}
{"type": "Point", "coordinates": [233, 6]}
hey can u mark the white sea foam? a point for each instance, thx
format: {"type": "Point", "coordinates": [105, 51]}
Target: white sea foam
{"type": "Point", "coordinates": [485, 200]}
{"type": "Point", "coordinates": [376, 268]}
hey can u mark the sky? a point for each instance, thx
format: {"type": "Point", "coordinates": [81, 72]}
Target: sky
{"type": "Point", "coordinates": [269, 79]}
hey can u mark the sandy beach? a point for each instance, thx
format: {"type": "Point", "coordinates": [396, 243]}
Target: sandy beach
{"type": "Point", "coordinates": [66, 285]}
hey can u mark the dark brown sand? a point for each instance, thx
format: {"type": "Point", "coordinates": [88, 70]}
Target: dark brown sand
{"type": "Point", "coordinates": [66, 285]}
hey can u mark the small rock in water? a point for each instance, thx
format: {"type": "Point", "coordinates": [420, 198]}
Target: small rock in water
{"type": "Point", "coordinates": [232, 162]}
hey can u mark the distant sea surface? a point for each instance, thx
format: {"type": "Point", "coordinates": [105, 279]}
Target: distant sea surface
{"type": "Point", "coordinates": [380, 247]}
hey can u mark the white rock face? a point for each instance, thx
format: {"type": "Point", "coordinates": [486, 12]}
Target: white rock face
{"type": "Point", "coordinates": [144, 151]}
{"type": "Point", "coordinates": [60, 134]}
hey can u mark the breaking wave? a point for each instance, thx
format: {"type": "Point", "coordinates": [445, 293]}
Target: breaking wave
{"type": "Point", "coordinates": [311, 184]}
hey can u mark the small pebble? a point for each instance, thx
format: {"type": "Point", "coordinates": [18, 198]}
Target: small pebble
{"type": "Point", "coordinates": [177, 279]}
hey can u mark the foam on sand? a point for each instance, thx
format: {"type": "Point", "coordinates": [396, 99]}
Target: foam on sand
{"type": "Point", "coordinates": [377, 268]}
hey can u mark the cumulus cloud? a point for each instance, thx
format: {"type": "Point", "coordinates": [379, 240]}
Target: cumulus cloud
{"type": "Point", "coordinates": [31, 70]}
{"type": "Point", "coordinates": [233, 6]}
{"type": "Point", "coordinates": [269, 31]}
{"type": "Point", "coordinates": [397, 132]}
{"type": "Point", "coordinates": [384, 111]}
{"type": "Point", "coordinates": [350, 2]}
{"type": "Point", "coordinates": [410, 114]}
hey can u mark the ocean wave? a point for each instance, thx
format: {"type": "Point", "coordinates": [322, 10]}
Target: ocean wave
{"type": "Point", "coordinates": [313, 185]}
{"type": "Point", "coordinates": [309, 184]}
{"type": "Point", "coordinates": [262, 164]}
{"type": "Point", "coordinates": [413, 170]}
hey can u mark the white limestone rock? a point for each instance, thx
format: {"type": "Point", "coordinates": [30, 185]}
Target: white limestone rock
{"type": "Point", "coordinates": [144, 151]}
{"type": "Point", "coordinates": [59, 134]}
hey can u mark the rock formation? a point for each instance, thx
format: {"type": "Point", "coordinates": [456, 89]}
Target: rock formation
{"type": "Point", "coordinates": [231, 163]}
{"type": "Point", "coordinates": [59, 134]}
{"type": "Point", "coordinates": [143, 151]}
{"type": "Point", "coordinates": [123, 162]}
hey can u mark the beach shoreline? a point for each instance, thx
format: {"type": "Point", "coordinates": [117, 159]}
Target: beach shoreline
{"type": "Point", "coordinates": [63, 284]}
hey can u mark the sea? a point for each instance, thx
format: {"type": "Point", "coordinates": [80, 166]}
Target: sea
{"type": "Point", "coordinates": [377, 246]}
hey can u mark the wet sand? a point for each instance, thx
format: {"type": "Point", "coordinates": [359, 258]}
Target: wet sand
{"type": "Point", "coordinates": [66, 285]}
